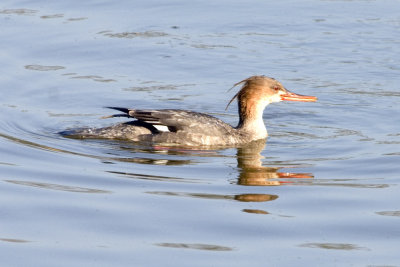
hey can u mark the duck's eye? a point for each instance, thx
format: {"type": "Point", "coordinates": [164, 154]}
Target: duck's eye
{"type": "Point", "coordinates": [276, 88]}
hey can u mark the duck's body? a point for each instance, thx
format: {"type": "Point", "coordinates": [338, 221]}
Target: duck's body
{"type": "Point", "coordinates": [171, 126]}
{"type": "Point", "coordinates": [180, 127]}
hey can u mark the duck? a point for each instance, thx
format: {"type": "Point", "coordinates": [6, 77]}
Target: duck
{"type": "Point", "coordinates": [178, 127]}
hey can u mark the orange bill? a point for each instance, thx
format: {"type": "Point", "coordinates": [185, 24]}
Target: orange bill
{"type": "Point", "coordinates": [289, 96]}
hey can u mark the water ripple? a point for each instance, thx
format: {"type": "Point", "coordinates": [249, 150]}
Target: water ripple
{"type": "Point", "coordinates": [66, 188]}
{"type": "Point", "coordinates": [333, 246]}
{"type": "Point", "coordinates": [195, 246]}
{"type": "Point", "coordinates": [43, 68]}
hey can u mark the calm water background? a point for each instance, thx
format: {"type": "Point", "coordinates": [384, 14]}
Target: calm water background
{"type": "Point", "coordinates": [334, 164]}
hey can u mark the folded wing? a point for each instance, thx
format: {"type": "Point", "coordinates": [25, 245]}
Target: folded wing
{"type": "Point", "coordinates": [174, 120]}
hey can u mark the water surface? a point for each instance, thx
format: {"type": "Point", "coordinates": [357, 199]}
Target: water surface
{"type": "Point", "coordinates": [323, 189]}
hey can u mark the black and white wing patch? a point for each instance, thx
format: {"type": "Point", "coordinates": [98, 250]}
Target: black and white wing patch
{"type": "Point", "coordinates": [173, 120]}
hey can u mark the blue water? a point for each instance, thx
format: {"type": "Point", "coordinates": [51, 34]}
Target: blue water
{"type": "Point", "coordinates": [322, 191]}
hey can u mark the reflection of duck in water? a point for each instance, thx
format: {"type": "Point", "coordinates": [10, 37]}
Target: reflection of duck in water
{"type": "Point", "coordinates": [180, 127]}
{"type": "Point", "coordinates": [251, 171]}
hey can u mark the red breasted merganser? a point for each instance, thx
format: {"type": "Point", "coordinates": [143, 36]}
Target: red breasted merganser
{"type": "Point", "coordinates": [188, 128]}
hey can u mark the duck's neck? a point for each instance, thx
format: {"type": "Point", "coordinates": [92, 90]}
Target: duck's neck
{"type": "Point", "coordinates": [251, 119]}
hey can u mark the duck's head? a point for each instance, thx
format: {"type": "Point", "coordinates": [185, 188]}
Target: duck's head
{"type": "Point", "coordinates": [256, 93]}
{"type": "Point", "coordinates": [263, 90]}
